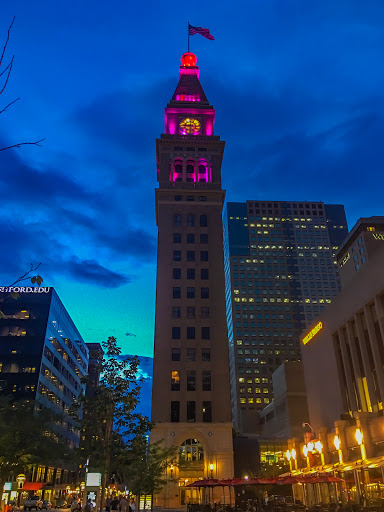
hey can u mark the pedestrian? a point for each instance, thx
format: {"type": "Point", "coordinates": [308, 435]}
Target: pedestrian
{"type": "Point", "coordinates": [73, 505]}
{"type": "Point", "coordinates": [108, 502]}
{"type": "Point", "coordinates": [133, 505]}
{"type": "Point", "coordinates": [124, 504]}
{"type": "Point", "coordinates": [114, 503]}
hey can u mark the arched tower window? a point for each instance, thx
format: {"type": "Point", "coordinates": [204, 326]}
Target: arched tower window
{"type": "Point", "coordinates": [178, 170]}
{"type": "Point", "coordinates": [191, 171]}
{"type": "Point", "coordinates": [191, 451]}
{"type": "Point", "coordinates": [203, 172]}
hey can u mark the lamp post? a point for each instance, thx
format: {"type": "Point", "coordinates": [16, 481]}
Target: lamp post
{"type": "Point", "coordinates": [171, 470]}
{"type": "Point", "coordinates": [360, 441]}
{"type": "Point", "coordinates": [337, 443]}
{"type": "Point", "coordinates": [211, 469]}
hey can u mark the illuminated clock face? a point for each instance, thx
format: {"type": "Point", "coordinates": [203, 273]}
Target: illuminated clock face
{"type": "Point", "coordinates": [190, 125]}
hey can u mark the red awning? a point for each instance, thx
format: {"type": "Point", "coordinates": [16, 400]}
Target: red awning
{"type": "Point", "coordinates": [33, 486]}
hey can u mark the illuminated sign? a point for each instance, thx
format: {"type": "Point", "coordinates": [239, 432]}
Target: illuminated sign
{"type": "Point", "coordinates": [24, 289]}
{"type": "Point", "coordinates": [378, 236]}
{"type": "Point", "coordinates": [7, 486]}
{"type": "Point", "coordinates": [93, 479]}
{"type": "Point", "coordinates": [344, 260]}
{"type": "Point", "coordinates": [312, 333]}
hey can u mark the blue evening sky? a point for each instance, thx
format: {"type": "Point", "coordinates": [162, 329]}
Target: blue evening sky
{"type": "Point", "coordinates": [298, 89]}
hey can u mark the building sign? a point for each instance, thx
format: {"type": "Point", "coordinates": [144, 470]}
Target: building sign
{"type": "Point", "coordinates": [312, 333]}
{"type": "Point", "coordinates": [378, 236]}
{"type": "Point", "coordinates": [344, 260]}
{"type": "Point", "coordinates": [93, 479]}
{"type": "Point", "coordinates": [24, 289]}
{"type": "Point", "coordinates": [7, 486]}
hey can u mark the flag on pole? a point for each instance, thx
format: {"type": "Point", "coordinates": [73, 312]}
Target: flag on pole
{"type": "Point", "coordinates": [200, 30]}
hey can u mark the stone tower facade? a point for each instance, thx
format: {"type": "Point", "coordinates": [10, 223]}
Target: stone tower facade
{"type": "Point", "coordinates": [191, 403]}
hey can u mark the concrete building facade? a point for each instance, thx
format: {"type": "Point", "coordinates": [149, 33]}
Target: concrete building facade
{"type": "Point", "coordinates": [191, 393]}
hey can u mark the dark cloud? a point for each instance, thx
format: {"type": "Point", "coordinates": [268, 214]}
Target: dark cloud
{"type": "Point", "coordinates": [130, 334]}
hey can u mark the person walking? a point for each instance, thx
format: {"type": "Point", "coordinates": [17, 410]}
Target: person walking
{"type": "Point", "coordinates": [132, 505]}
{"type": "Point", "coordinates": [114, 504]}
{"type": "Point", "coordinates": [124, 504]}
{"type": "Point", "coordinates": [108, 502]}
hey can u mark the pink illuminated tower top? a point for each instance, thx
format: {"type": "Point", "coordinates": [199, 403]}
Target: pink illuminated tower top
{"type": "Point", "coordinates": [189, 112]}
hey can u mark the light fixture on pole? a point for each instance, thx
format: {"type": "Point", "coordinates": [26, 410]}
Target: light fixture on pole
{"type": "Point", "coordinates": [211, 469]}
{"type": "Point", "coordinates": [171, 469]}
{"type": "Point", "coordinates": [360, 441]}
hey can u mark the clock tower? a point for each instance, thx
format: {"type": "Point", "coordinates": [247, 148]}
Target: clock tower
{"type": "Point", "coordinates": [191, 403]}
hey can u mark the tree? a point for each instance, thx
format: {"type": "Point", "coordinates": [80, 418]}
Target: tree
{"type": "Point", "coordinates": [147, 469]}
{"type": "Point", "coordinates": [5, 73]}
{"type": "Point", "coordinates": [27, 438]}
{"type": "Point", "coordinates": [109, 424]}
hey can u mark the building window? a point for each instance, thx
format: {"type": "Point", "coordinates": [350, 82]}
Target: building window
{"type": "Point", "coordinates": [191, 312]}
{"type": "Point", "coordinates": [176, 312]}
{"type": "Point", "coordinates": [191, 410]}
{"type": "Point", "coordinates": [205, 293]}
{"type": "Point", "coordinates": [177, 238]}
{"type": "Point", "coordinates": [176, 292]}
{"type": "Point", "coordinates": [206, 381]}
{"type": "Point", "coordinates": [207, 411]}
{"type": "Point", "coordinates": [205, 354]}
{"type": "Point", "coordinates": [190, 273]}
{"type": "Point", "coordinates": [175, 412]}
{"type": "Point", "coordinates": [203, 221]}
{"type": "Point", "coordinates": [204, 312]}
{"type": "Point", "coordinates": [175, 354]}
{"type": "Point", "coordinates": [175, 333]}
{"type": "Point", "coordinates": [177, 273]}
{"type": "Point", "coordinates": [204, 273]}
{"type": "Point", "coordinates": [205, 333]}
{"type": "Point", "coordinates": [191, 380]}
{"type": "Point", "coordinates": [175, 381]}
{"type": "Point", "coordinates": [176, 255]}
{"type": "Point", "coordinates": [203, 255]}
{"type": "Point", "coordinates": [177, 220]}
{"type": "Point", "coordinates": [191, 354]}
{"type": "Point", "coordinates": [190, 220]}
{"type": "Point", "coordinates": [190, 293]}
{"type": "Point", "coordinates": [190, 238]}
{"type": "Point", "coordinates": [202, 198]}
{"type": "Point", "coordinates": [190, 255]}
{"type": "Point", "coordinates": [203, 238]}
{"type": "Point", "coordinates": [191, 450]}
{"type": "Point", "coordinates": [190, 333]}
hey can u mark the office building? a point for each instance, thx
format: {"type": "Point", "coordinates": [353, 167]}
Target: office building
{"type": "Point", "coordinates": [42, 355]}
{"type": "Point", "coordinates": [343, 358]}
{"type": "Point", "coordinates": [191, 394]}
{"type": "Point", "coordinates": [281, 272]}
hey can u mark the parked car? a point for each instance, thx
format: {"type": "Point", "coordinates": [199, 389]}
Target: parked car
{"type": "Point", "coordinates": [62, 504]}
{"type": "Point", "coordinates": [33, 502]}
{"type": "Point", "coordinates": [47, 505]}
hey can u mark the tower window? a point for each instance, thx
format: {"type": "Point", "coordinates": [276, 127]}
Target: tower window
{"type": "Point", "coordinates": [203, 221]}
{"type": "Point", "coordinates": [203, 255]}
{"type": "Point", "coordinates": [190, 255]}
{"type": "Point", "coordinates": [204, 312]}
{"type": "Point", "coordinates": [176, 292]}
{"type": "Point", "coordinates": [175, 354]}
{"type": "Point", "coordinates": [177, 273]}
{"type": "Point", "coordinates": [205, 293]}
{"type": "Point", "coordinates": [191, 333]}
{"type": "Point", "coordinates": [190, 238]}
{"type": "Point", "coordinates": [190, 220]}
{"type": "Point", "coordinates": [175, 412]}
{"type": "Point", "coordinates": [191, 380]}
{"type": "Point", "coordinates": [205, 333]}
{"type": "Point", "coordinates": [204, 273]}
{"type": "Point", "coordinates": [175, 333]}
{"type": "Point", "coordinates": [206, 382]}
{"type": "Point", "coordinates": [176, 312]}
{"type": "Point", "coordinates": [190, 293]}
{"type": "Point", "coordinates": [190, 273]}
{"type": "Point", "coordinates": [177, 238]}
{"type": "Point", "coordinates": [191, 410]}
{"type": "Point", "coordinates": [175, 381]}
{"type": "Point", "coordinates": [176, 255]}
{"type": "Point", "coordinates": [205, 354]}
{"type": "Point", "coordinates": [191, 312]}
{"type": "Point", "coordinates": [177, 220]}
{"type": "Point", "coordinates": [191, 354]}
{"type": "Point", "coordinates": [203, 238]}
{"type": "Point", "coordinates": [207, 411]}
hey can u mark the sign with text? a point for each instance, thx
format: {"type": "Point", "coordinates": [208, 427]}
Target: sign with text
{"type": "Point", "coordinates": [312, 333]}
{"type": "Point", "coordinates": [24, 289]}
{"type": "Point", "coordinates": [93, 479]}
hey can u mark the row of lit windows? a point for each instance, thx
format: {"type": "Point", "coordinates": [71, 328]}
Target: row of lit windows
{"type": "Point", "coordinates": [257, 391]}
{"type": "Point", "coordinates": [206, 380]}
{"type": "Point", "coordinates": [252, 400]}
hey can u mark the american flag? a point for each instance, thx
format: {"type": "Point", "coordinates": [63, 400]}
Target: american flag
{"type": "Point", "coordinates": [200, 30]}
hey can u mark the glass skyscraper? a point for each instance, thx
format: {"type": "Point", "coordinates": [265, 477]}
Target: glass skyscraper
{"type": "Point", "coordinates": [281, 272]}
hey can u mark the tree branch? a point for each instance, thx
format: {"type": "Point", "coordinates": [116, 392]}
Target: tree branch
{"type": "Point", "coordinates": [9, 104]}
{"type": "Point", "coordinates": [6, 42]}
{"type": "Point", "coordinates": [26, 275]}
{"type": "Point", "coordinates": [37, 143]}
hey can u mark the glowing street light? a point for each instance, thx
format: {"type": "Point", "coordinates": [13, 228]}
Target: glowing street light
{"type": "Point", "coordinates": [211, 469]}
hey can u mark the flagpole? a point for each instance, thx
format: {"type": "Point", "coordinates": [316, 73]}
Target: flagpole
{"type": "Point", "coordinates": [188, 36]}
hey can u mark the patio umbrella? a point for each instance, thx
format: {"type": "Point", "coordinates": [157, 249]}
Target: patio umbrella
{"type": "Point", "coordinates": [267, 481]}
{"type": "Point", "coordinates": [287, 480]}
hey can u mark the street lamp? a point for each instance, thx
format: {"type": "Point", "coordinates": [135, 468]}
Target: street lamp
{"type": "Point", "coordinates": [211, 469]}
{"type": "Point", "coordinates": [360, 441]}
{"type": "Point", "coordinates": [337, 443]}
{"type": "Point", "coordinates": [171, 468]}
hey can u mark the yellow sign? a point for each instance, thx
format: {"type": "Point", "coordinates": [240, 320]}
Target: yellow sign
{"type": "Point", "coordinates": [312, 333]}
